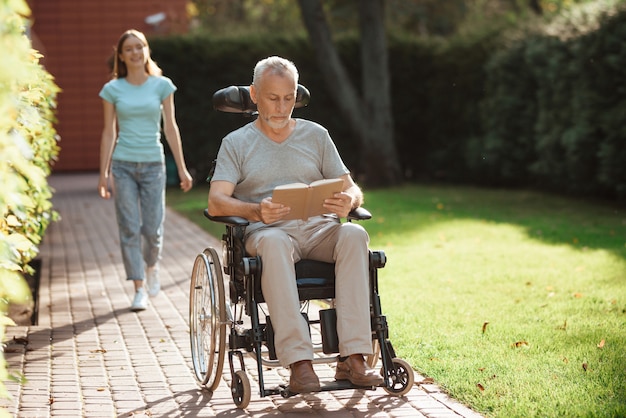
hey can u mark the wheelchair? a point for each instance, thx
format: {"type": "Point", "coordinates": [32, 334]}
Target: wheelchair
{"type": "Point", "coordinates": [234, 323]}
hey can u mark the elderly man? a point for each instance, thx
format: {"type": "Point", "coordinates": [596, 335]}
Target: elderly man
{"type": "Point", "coordinates": [277, 149]}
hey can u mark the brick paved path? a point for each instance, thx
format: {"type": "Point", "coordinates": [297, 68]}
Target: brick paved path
{"type": "Point", "coordinates": [90, 356]}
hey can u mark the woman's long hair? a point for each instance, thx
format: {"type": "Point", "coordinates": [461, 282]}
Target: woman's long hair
{"type": "Point", "coordinates": [119, 67]}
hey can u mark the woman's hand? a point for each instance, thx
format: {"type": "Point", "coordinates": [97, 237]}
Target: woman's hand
{"type": "Point", "coordinates": [186, 181]}
{"type": "Point", "coordinates": [103, 187]}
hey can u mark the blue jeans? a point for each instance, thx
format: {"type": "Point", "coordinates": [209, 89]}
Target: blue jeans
{"type": "Point", "coordinates": [140, 209]}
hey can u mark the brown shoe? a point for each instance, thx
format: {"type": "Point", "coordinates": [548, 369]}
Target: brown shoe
{"type": "Point", "coordinates": [357, 372]}
{"type": "Point", "coordinates": [303, 378]}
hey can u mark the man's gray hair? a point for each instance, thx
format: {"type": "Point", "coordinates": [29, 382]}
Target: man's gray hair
{"type": "Point", "coordinates": [275, 65]}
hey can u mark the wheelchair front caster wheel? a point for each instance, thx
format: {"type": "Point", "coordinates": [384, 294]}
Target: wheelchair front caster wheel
{"type": "Point", "coordinates": [400, 379]}
{"type": "Point", "coordinates": [241, 390]}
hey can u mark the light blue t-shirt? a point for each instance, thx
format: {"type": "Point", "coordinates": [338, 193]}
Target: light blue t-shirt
{"type": "Point", "coordinates": [138, 111]}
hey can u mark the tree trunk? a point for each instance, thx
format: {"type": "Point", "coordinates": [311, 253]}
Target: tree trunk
{"type": "Point", "coordinates": [535, 6]}
{"type": "Point", "coordinates": [368, 117]}
{"type": "Point", "coordinates": [379, 147]}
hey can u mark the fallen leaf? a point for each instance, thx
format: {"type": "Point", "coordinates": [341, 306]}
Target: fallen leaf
{"type": "Point", "coordinates": [601, 345]}
{"type": "Point", "coordinates": [578, 295]}
{"type": "Point", "coordinates": [485, 326]}
{"type": "Point", "coordinates": [481, 387]}
{"type": "Point", "coordinates": [520, 344]}
{"type": "Point", "coordinates": [99, 350]}
{"type": "Point", "coordinates": [20, 340]}
{"type": "Point", "coordinates": [585, 366]}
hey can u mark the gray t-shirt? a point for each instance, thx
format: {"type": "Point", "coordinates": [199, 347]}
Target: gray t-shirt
{"type": "Point", "coordinates": [255, 164]}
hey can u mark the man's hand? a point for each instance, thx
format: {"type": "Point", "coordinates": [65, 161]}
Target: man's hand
{"type": "Point", "coordinates": [340, 204]}
{"type": "Point", "coordinates": [272, 212]}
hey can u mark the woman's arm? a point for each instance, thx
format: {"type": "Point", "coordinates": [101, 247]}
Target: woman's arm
{"type": "Point", "coordinates": [107, 144]}
{"type": "Point", "coordinates": [172, 135]}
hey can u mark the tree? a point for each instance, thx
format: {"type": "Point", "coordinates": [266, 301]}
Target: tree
{"type": "Point", "coordinates": [370, 115]}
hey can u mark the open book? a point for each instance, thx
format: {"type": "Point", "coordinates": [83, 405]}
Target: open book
{"type": "Point", "coordinates": [306, 200]}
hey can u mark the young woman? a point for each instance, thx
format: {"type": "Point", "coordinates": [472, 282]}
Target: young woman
{"type": "Point", "coordinates": [132, 162]}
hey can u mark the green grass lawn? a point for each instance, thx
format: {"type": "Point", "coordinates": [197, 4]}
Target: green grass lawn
{"type": "Point", "coordinates": [514, 302]}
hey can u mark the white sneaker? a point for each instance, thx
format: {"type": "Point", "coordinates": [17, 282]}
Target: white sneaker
{"type": "Point", "coordinates": [140, 302]}
{"type": "Point", "coordinates": [152, 280]}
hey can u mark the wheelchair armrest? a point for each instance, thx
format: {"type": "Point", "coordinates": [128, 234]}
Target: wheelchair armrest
{"type": "Point", "coordinates": [359, 214]}
{"type": "Point", "coordinates": [228, 220]}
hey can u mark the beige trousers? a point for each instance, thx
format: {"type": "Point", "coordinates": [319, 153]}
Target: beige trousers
{"type": "Point", "coordinates": [322, 239]}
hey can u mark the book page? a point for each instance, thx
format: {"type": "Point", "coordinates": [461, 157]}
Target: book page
{"type": "Point", "coordinates": [294, 197]}
{"type": "Point", "coordinates": [292, 186]}
{"type": "Point", "coordinates": [320, 191]}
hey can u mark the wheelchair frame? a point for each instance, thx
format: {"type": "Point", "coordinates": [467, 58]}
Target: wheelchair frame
{"type": "Point", "coordinates": [212, 311]}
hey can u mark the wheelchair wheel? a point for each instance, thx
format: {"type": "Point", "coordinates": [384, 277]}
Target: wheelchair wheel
{"type": "Point", "coordinates": [241, 390]}
{"type": "Point", "coordinates": [400, 379]}
{"type": "Point", "coordinates": [207, 318]}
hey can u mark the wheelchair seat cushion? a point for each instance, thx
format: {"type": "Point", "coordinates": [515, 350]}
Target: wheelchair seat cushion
{"type": "Point", "coordinates": [316, 280]}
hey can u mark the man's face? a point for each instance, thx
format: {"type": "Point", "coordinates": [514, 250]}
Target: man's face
{"type": "Point", "coordinates": [275, 98]}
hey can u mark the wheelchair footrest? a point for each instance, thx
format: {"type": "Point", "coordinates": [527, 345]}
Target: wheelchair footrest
{"type": "Point", "coordinates": [325, 387]}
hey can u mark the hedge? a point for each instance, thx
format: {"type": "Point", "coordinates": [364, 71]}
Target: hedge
{"type": "Point", "coordinates": [27, 146]}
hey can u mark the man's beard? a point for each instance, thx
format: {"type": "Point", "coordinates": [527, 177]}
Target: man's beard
{"type": "Point", "coordinates": [276, 124]}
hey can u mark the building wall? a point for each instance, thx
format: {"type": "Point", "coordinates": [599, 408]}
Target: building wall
{"type": "Point", "coordinates": [76, 38]}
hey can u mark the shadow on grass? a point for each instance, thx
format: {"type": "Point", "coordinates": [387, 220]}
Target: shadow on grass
{"type": "Point", "coordinates": [581, 224]}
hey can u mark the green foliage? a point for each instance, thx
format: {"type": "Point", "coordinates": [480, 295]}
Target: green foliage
{"type": "Point", "coordinates": [27, 146]}
{"type": "Point", "coordinates": [539, 103]}
{"type": "Point", "coordinates": [554, 106]}
{"type": "Point", "coordinates": [219, 17]}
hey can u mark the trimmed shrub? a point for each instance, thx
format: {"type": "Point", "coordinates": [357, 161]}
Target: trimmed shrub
{"type": "Point", "coordinates": [27, 146]}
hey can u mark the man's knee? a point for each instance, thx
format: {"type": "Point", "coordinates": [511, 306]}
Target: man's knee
{"type": "Point", "coordinates": [273, 240]}
{"type": "Point", "coordinates": [354, 233]}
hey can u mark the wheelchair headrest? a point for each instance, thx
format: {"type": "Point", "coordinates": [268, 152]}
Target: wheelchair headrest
{"type": "Point", "coordinates": [236, 99]}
